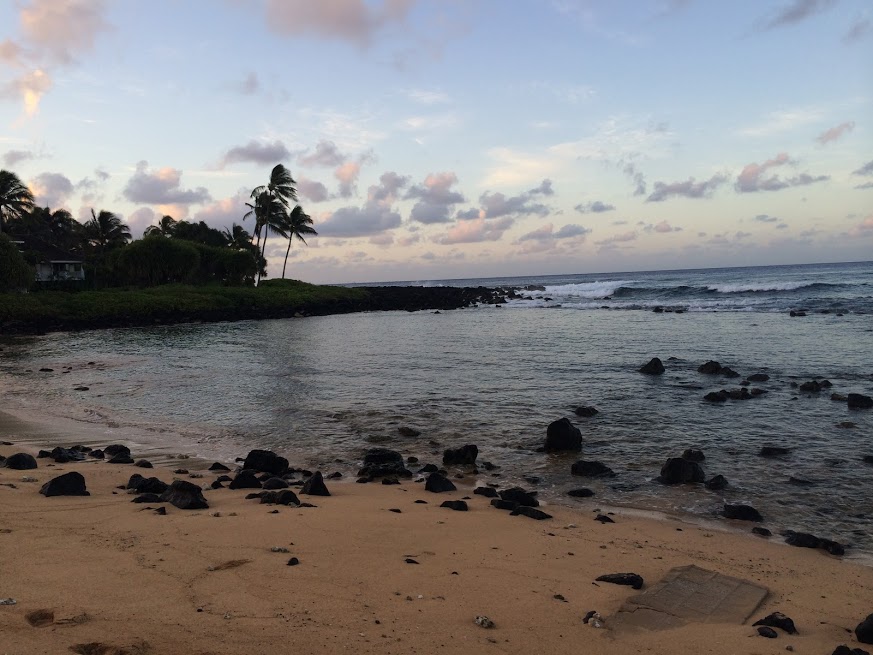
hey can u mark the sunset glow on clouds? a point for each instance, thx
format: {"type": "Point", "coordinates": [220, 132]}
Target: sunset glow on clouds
{"type": "Point", "coordinates": [434, 139]}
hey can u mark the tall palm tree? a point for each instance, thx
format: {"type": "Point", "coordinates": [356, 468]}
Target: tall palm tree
{"type": "Point", "coordinates": [237, 237]}
{"type": "Point", "coordinates": [106, 231]}
{"type": "Point", "coordinates": [15, 198]}
{"type": "Point", "coordinates": [164, 227]}
{"type": "Point", "coordinates": [298, 224]}
{"type": "Point", "coordinates": [271, 204]}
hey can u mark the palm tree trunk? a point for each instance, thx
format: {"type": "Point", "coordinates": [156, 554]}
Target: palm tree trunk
{"type": "Point", "coordinates": [286, 258]}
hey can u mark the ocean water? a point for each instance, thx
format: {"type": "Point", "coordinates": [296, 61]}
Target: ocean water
{"type": "Point", "coordinates": [322, 390]}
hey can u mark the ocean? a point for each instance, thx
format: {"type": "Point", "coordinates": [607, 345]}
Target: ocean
{"type": "Point", "coordinates": [322, 390]}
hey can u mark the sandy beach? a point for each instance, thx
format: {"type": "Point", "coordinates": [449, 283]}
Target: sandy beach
{"type": "Point", "coordinates": [114, 576]}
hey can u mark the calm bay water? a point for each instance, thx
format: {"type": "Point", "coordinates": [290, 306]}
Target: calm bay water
{"type": "Point", "coordinates": [326, 388]}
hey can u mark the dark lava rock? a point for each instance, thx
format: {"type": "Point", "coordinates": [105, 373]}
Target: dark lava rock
{"type": "Point", "coordinates": [729, 372]}
{"type": "Point", "coordinates": [716, 396]}
{"type": "Point", "coordinates": [20, 462]}
{"type": "Point", "coordinates": [693, 455]}
{"type": "Point", "coordinates": [147, 498]}
{"type": "Point", "coordinates": [758, 377]}
{"type": "Point", "coordinates": [562, 435]}
{"type": "Point", "coordinates": [773, 451]}
{"type": "Point", "coordinates": [390, 481]}
{"type": "Point", "coordinates": [97, 454]}
{"type": "Point", "coordinates": [580, 493]}
{"type": "Point", "coordinates": [64, 455]}
{"type": "Point", "coordinates": [144, 464]}
{"type": "Point", "coordinates": [778, 620]}
{"type": "Point", "coordinates": [315, 486]}
{"type": "Point", "coordinates": [742, 513]}
{"type": "Point", "coordinates": [121, 458]}
{"type": "Point", "coordinates": [43, 454]}
{"type": "Point", "coordinates": [629, 579]}
{"type": "Point", "coordinates": [438, 483]}
{"type": "Point", "coordinates": [381, 462]}
{"type": "Point", "coordinates": [266, 461]}
{"type": "Point", "coordinates": [429, 468]}
{"type": "Point", "coordinates": [603, 518]}
{"type": "Point", "coordinates": [216, 484]}
{"type": "Point", "coordinates": [806, 540]}
{"type": "Point", "coordinates": [488, 492]}
{"type": "Point", "coordinates": [764, 532]}
{"type": "Point", "coordinates": [68, 484]}
{"type": "Point", "coordinates": [800, 482]}
{"type": "Point", "coordinates": [275, 483]}
{"type": "Point", "coordinates": [864, 630]}
{"type": "Point", "coordinates": [710, 368]}
{"type": "Point", "coordinates": [770, 633]}
{"type": "Point", "coordinates": [184, 495]}
{"type": "Point", "coordinates": [463, 456]}
{"type": "Point", "coordinates": [755, 391]}
{"type": "Point", "coordinates": [457, 505]}
{"type": "Point", "coordinates": [530, 512]}
{"type": "Point", "coordinates": [218, 466]}
{"type": "Point", "coordinates": [499, 503]}
{"type": "Point", "coordinates": [586, 412]}
{"type": "Point", "coordinates": [519, 496]}
{"type": "Point", "coordinates": [654, 367]}
{"type": "Point", "coordinates": [284, 497]}
{"type": "Point", "coordinates": [116, 449]}
{"type": "Point", "coordinates": [680, 471]}
{"type": "Point", "coordinates": [845, 650]}
{"type": "Point", "coordinates": [839, 398]}
{"type": "Point", "coordinates": [406, 431]}
{"type": "Point", "coordinates": [859, 401]}
{"type": "Point", "coordinates": [146, 485]}
{"type": "Point", "coordinates": [591, 469]}
{"type": "Point", "coordinates": [811, 387]}
{"type": "Point", "coordinates": [716, 483]}
{"type": "Point", "coordinates": [245, 479]}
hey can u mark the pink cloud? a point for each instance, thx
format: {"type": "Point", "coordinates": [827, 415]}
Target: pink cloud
{"type": "Point", "coordinates": [835, 133]}
{"type": "Point", "coordinates": [864, 228]}
{"type": "Point", "coordinates": [475, 231]}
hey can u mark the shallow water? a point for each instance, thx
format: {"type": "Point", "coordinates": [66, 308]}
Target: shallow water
{"type": "Point", "coordinates": [326, 388]}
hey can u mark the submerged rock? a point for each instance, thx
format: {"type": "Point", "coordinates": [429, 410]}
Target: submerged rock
{"type": "Point", "coordinates": [680, 471]}
{"type": "Point", "coordinates": [591, 469]}
{"type": "Point", "coordinates": [562, 435]}
{"type": "Point", "coordinates": [586, 412]}
{"type": "Point", "coordinates": [463, 456]}
{"type": "Point", "coordinates": [654, 367]}
{"type": "Point", "coordinates": [716, 483]}
{"type": "Point", "coordinates": [742, 513]}
{"type": "Point", "coordinates": [711, 367]}
{"type": "Point", "coordinates": [773, 451]}
{"type": "Point", "coordinates": [859, 401]}
{"type": "Point", "coordinates": [580, 493]}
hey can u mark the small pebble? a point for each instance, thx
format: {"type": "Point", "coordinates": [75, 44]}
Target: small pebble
{"type": "Point", "coordinates": [483, 622]}
{"type": "Point", "coordinates": [279, 549]}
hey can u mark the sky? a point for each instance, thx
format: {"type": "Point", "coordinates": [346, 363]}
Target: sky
{"type": "Point", "coordinates": [435, 139]}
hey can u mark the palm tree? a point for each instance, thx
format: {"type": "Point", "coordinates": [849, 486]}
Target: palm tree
{"type": "Point", "coordinates": [298, 224]}
{"type": "Point", "coordinates": [271, 204]}
{"type": "Point", "coordinates": [237, 237]}
{"type": "Point", "coordinates": [164, 227]}
{"type": "Point", "coordinates": [15, 198]}
{"type": "Point", "coordinates": [106, 231]}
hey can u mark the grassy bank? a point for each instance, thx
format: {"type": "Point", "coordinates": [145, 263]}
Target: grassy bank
{"type": "Point", "coordinates": [172, 303]}
{"type": "Point", "coordinates": [46, 311]}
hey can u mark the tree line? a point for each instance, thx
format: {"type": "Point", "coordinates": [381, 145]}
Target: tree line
{"type": "Point", "coordinates": [173, 251]}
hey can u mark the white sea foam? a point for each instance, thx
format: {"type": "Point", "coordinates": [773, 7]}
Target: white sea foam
{"type": "Point", "coordinates": [763, 286]}
{"type": "Point", "coordinates": [585, 289]}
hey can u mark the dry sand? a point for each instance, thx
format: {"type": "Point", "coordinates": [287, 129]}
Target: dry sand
{"type": "Point", "coordinates": [116, 573]}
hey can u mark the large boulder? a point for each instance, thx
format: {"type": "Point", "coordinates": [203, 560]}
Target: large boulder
{"type": "Point", "coordinates": [382, 462]}
{"type": "Point", "coordinates": [438, 483]}
{"type": "Point", "coordinates": [677, 470]}
{"type": "Point", "coordinates": [20, 462]}
{"type": "Point", "coordinates": [315, 486]}
{"type": "Point", "coordinates": [519, 496]}
{"type": "Point", "coordinates": [654, 367]}
{"type": "Point", "coordinates": [184, 495]}
{"type": "Point", "coordinates": [562, 435]}
{"type": "Point", "coordinates": [68, 484]}
{"type": "Point", "coordinates": [710, 368]}
{"type": "Point", "coordinates": [116, 449]}
{"type": "Point", "coordinates": [265, 461]}
{"type": "Point", "coordinates": [591, 469]}
{"type": "Point", "coordinates": [146, 485]}
{"type": "Point", "coordinates": [463, 456]}
{"type": "Point", "coordinates": [859, 401]}
{"type": "Point", "coordinates": [864, 630]}
{"type": "Point", "coordinates": [245, 479]}
{"type": "Point", "coordinates": [742, 513]}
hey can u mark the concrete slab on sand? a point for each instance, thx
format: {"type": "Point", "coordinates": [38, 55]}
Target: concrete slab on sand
{"type": "Point", "coordinates": [691, 594]}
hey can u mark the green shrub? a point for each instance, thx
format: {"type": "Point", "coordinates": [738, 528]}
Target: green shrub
{"type": "Point", "coordinates": [15, 273]}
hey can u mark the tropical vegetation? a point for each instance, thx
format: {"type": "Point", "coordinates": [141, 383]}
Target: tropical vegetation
{"type": "Point", "coordinates": [170, 252]}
